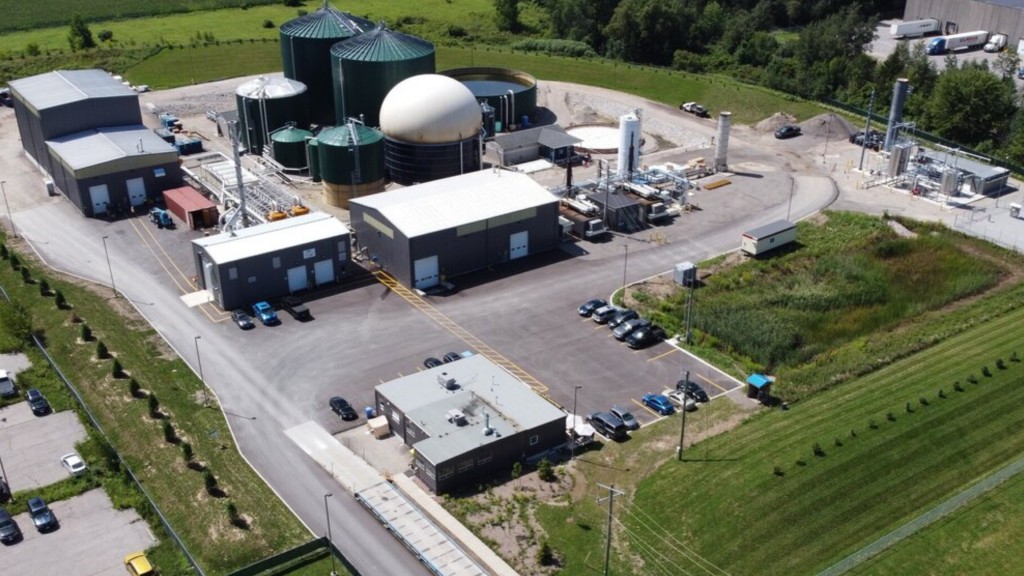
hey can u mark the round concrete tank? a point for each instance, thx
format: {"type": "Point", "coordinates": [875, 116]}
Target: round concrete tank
{"type": "Point", "coordinates": [351, 162]}
{"type": "Point", "coordinates": [306, 54]}
{"type": "Point", "coordinates": [432, 128]}
{"type": "Point", "coordinates": [512, 94]}
{"type": "Point", "coordinates": [289, 146]}
{"type": "Point", "coordinates": [629, 143]}
{"type": "Point", "coordinates": [266, 104]}
{"type": "Point", "coordinates": [366, 67]}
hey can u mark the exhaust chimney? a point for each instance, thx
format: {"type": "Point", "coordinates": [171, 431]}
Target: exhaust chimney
{"type": "Point", "coordinates": [900, 90]}
{"type": "Point", "coordinates": [722, 145]}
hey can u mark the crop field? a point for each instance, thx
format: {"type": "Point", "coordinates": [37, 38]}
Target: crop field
{"type": "Point", "coordinates": [20, 15]}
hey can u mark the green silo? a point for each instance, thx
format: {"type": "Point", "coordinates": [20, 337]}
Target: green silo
{"type": "Point", "coordinates": [313, 156]}
{"type": "Point", "coordinates": [306, 54]}
{"type": "Point", "coordinates": [289, 146]}
{"type": "Point", "coordinates": [351, 162]}
{"type": "Point", "coordinates": [366, 67]}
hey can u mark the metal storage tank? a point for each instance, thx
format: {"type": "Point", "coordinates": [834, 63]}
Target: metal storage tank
{"type": "Point", "coordinates": [313, 158]}
{"type": "Point", "coordinates": [306, 54]}
{"type": "Point", "coordinates": [351, 162]}
{"type": "Point", "coordinates": [629, 143]}
{"type": "Point", "coordinates": [289, 146]}
{"type": "Point", "coordinates": [266, 104]}
{"type": "Point", "coordinates": [432, 129]}
{"type": "Point", "coordinates": [366, 67]}
{"type": "Point", "coordinates": [512, 94]}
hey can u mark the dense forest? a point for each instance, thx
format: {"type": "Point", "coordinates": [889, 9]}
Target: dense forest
{"type": "Point", "coordinates": [816, 49]}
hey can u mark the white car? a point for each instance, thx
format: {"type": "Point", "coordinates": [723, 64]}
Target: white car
{"type": "Point", "coordinates": [73, 463]}
{"type": "Point", "coordinates": [681, 399]}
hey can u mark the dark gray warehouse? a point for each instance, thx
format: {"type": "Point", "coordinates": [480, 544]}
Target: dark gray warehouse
{"type": "Point", "coordinates": [272, 260]}
{"type": "Point", "coordinates": [993, 16]}
{"type": "Point", "coordinates": [427, 233]}
{"type": "Point", "coordinates": [468, 421]}
{"type": "Point", "coordinates": [84, 129]}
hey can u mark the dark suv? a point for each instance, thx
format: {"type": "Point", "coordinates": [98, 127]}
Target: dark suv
{"type": "Point", "coordinates": [41, 515]}
{"type": "Point", "coordinates": [609, 425]}
{"type": "Point", "coordinates": [9, 531]}
{"type": "Point", "coordinates": [37, 402]}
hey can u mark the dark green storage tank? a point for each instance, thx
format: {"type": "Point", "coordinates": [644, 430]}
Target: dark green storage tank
{"type": "Point", "coordinates": [366, 67]}
{"type": "Point", "coordinates": [351, 162]}
{"type": "Point", "coordinates": [267, 104]}
{"type": "Point", "coordinates": [512, 93]}
{"type": "Point", "coordinates": [313, 156]}
{"type": "Point", "coordinates": [306, 54]}
{"type": "Point", "coordinates": [289, 145]}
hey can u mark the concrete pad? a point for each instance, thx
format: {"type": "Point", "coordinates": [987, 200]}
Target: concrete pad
{"type": "Point", "coordinates": [193, 299]}
{"type": "Point", "coordinates": [596, 137]}
{"type": "Point", "coordinates": [31, 446]}
{"type": "Point", "coordinates": [14, 363]}
{"type": "Point", "coordinates": [348, 469]}
{"type": "Point", "coordinates": [93, 539]}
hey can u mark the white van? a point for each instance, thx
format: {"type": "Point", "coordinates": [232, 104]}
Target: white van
{"type": "Point", "coordinates": [7, 384]}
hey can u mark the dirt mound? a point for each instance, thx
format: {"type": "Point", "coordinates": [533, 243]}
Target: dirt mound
{"type": "Point", "coordinates": [774, 122]}
{"type": "Point", "coordinates": [831, 125]}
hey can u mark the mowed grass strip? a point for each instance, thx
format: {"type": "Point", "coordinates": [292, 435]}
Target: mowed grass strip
{"type": "Point", "coordinates": [884, 473]}
{"type": "Point", "coordinates": [200, 519]}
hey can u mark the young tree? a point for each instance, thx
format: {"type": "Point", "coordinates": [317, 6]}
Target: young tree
{"type": "Point", "coordinates": [507, 15]}
{"type": "Point", "coordinates": [80, 36]}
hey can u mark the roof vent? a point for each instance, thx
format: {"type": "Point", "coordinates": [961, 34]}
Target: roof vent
{"type": "Point", "coordinates": [455, 416]}
{"type": "Point", "coordinates": [487, 425]}
{"type": "Point", "coordinates": [447, 382]}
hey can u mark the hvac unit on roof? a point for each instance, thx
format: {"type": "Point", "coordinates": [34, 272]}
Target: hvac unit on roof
{"type": "Point", "coordinates": [455, 416]}
{"type": "Point", "coordinates": [447, 382]}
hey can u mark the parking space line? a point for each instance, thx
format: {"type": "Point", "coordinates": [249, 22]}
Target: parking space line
{"type": "Point", "coordinates": [659, 356]}
{"type": "Point", "coordinates": [712, 382]}
{"type": "Point", "coordinates": [458, 331]}
{"type": "Point", "coordinates": [645, 407]}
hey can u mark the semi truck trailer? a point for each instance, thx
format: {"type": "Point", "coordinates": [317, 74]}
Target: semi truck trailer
{"type": "Point", "coordinates": [913, 28]}
{"type": "Point", "coordinates": [945, 44]}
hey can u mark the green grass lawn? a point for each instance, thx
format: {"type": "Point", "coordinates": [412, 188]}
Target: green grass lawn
{"type": "Point", "coordinates": [20, 15]}
{"type": "Point", "coordinates": [200, 519]}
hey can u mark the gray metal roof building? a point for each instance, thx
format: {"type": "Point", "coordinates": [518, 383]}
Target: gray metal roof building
{"type": "Point", "coordinates": [270, 260]}
{"type": "Point", "coordinates": [552, 143]}
{"type": "Point", "coordinates": [993, 16]}
{"type": "Point", "coordinates": [468, 420]}
{"type": "Point", "coordinates": [426, 233]}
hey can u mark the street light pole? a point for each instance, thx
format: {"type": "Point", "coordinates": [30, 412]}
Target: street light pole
{"type": "Point", "coordinates": [199, 362]}
{"type": "Point", "coordinates": [682, 427]}
{"type": "Point", "coordinates": [109, 268]}
{"type": "Point", "coordinates": [572, 444]}
{"type": "Point", "coordinates": [625, 262]}
{"type": "Point", "coordinates": [330, 541]}
{"type": "Point", "coordinates": [14, 233]}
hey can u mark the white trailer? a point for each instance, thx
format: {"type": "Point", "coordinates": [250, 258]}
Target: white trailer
{"type": "Point", "coordinates": [913, 28]}
{"type": "Point", "coordinates": [944, 44]}
{"type": "Point", "coordinates": [768, 237]}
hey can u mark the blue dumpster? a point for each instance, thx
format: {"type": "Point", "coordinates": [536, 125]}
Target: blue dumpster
{"type": "Point", "coordinates": [368, 411]}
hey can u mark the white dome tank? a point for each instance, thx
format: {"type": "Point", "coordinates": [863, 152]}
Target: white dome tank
{"type": "Point", "coordinates": [430, 109]}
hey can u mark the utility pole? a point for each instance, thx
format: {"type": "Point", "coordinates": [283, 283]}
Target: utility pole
{"type": "Point", "coordinates": [867, 127]}
{"type": "Point", "coordinates": [682, 427]}
{"type": "Point", "coordinates": [612, 493]}
{"type": "Point", "coordinates": [689, 312]}
{"type": "Point", "coordinates": [625, 262]}
{"type": "Point", "coordinates": [572, 433]}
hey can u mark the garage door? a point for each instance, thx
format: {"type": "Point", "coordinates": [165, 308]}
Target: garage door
{"type": "Point", "coordinates": [100, 197]}
{"type": "Point", "coordinates": [136, 191]}
{"type": "Point", "coordinates": [324, 272]}
{"type": "Point", "coordinates": [297, 279]}
{"type": "Point", "coordinates": [425, 272]}
{"type": "Point", "coordinates": [519, 244]}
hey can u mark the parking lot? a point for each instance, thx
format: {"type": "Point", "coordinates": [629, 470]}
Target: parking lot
{"type": "Point", "coordinates": [31, 446]}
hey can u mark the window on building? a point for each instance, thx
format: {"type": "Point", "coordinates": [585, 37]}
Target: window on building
{"type": "Point", "coordinates": [233, 273]}
{"type": "Point", "coordinates": [485, 458]}
{"type": "Point", "coordinates": [445, 472]}
{"type": "Point", "coordinates": [534, 440]}
{"type": "Point", "coordinates": [159, 172]}
{"type": "Point", "coordinates": [252, 279]}
{"type": "Point", "coordinates": [465, 464]}
{"type": "Point", "coordinates": [275, 262]}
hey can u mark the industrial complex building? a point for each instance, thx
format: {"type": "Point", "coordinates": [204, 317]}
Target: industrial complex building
{"type": "Point", "coordinates": [84, 129]}
{"type": "Point", "coordinates": [993, 16]}
{"type": "Point", "coordinates": [273, 259]}
{"type": "Point", "coordinates": [427, 233]}
{"type": "Point", "coordinates": [467, 421]}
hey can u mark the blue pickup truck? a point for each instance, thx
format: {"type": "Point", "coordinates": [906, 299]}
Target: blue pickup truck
{"type": "Point", "coordinates": [265, 313]}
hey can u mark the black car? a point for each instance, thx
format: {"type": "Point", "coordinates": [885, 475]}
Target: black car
{"type": "Point", "coordinates": [644, 337]}
{"type": "Point", "coordinates": [693, 390]}
{"type": "Point", "coordinates": [342, 408]}
{"type": "Point", "coordinates": [9, 531]}
{"type": "Point", "coordinates": [628, 327]}
{"type": "Point", "coordinates": [622, 317]}
{"type": "Point", "coordinates": [41, 515]}
{"type": "Point", "coordinates": [5, 490]}
{"type": "Point", "coordinates": [296, 308]}
{"type": "Point", "coordinates": [432, 362]}
{"type": "Point", "coordinates": [37, 402]}
{"type": "Point", "coordinates": [241, 319]}
{"type": "Point", "coordinates": [787, 131]}
{"type": "Point", "coordinates": [588, 307]}
{"type": "Point", "coordinates": [452, 357]}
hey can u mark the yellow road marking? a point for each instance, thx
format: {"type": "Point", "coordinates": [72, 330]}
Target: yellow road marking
{"type": "Point", "coordinates": [704, 378]}
{"type": "Point", "coordinates": [645, 407]}
{"type": "Point", "coordinates": [672, 351]}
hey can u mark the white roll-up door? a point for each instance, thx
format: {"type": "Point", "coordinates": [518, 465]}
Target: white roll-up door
{"type": "Point", "coordinates": [136, 191]}
{"type": "Point", "coordinates": [297, 279]}
{"type": "Point", "coordinates": [324, 272]}
{"type": "Point", "coordinates": [519, 244]}
{"type": "Point", "coordinates": [425, 272]}
{"type": "Point", "coordinates": [100, 197]}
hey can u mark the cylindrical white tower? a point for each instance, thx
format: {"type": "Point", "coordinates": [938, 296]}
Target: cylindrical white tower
{"type": "Point", "coordinates": [629, 143]}
{"type": "Point", "coordinates": [722, 142]}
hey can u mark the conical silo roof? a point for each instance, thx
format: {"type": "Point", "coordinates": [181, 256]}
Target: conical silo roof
{"type": "Point", "coordinates": [326, 22]}
{"type": "Point", "coordinates": [382, 45]}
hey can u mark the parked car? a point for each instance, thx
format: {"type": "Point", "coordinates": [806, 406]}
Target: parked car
{"type": "Point", "coordinates": [874, 140]}
{"type": "Point", "coordinates": [5, 490]}
{"type": "Point", "coordinates": [73, 463]}
{"type": "Point", "coordinates": [628, 327]}
{"type": "Point", "coordinates": [241, 319]}
{"type": "Point", "coordinates": [264, 312]}
{"type": "Point", "coordinates": [9, 531]}
{"type": "Point", "coordinates": [659, 404]}
{"type": "Point", "coordinates": [626, 416]}
{"type": "Point", "coordinates": [1020, 72]}
{"type": "Point", "coordinates": [692, 390]}
{"type": "Point", "coordinates": [432, 362]}
{"type": "Point", "coordinates": [588, 307]}
{"type": "Point", "coordinates": [37, 402]}
{"type": "Point", "coordinates": [161, 218]}
{"type": "Point", "coordinates": [787, 131]}
{"type": "Point", "coordinates": [682, 400]}
{"type": "Point", "coordinates": [296, 307]}
{"type": "Point", "coordinates": [608, 425]}
{"type": "Point", "coordinates": [41, 515]}
{"type": "Point", "coordinates": [623, 316]}
{"type": "Point", "coordinates": [645, 337]}
{"type": "Point", "coordinates": [137, 564]}
{"type": "Point", "coordinates": [452, 357]}
{"type": "Point", "coordinates": [694, 108]}
{"type": "Point", "coordinates": [604, 314]}
{"type": "Point", "coordinates": [7, 387]}
{"type": "Point", "coordinates": [342, 408]}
